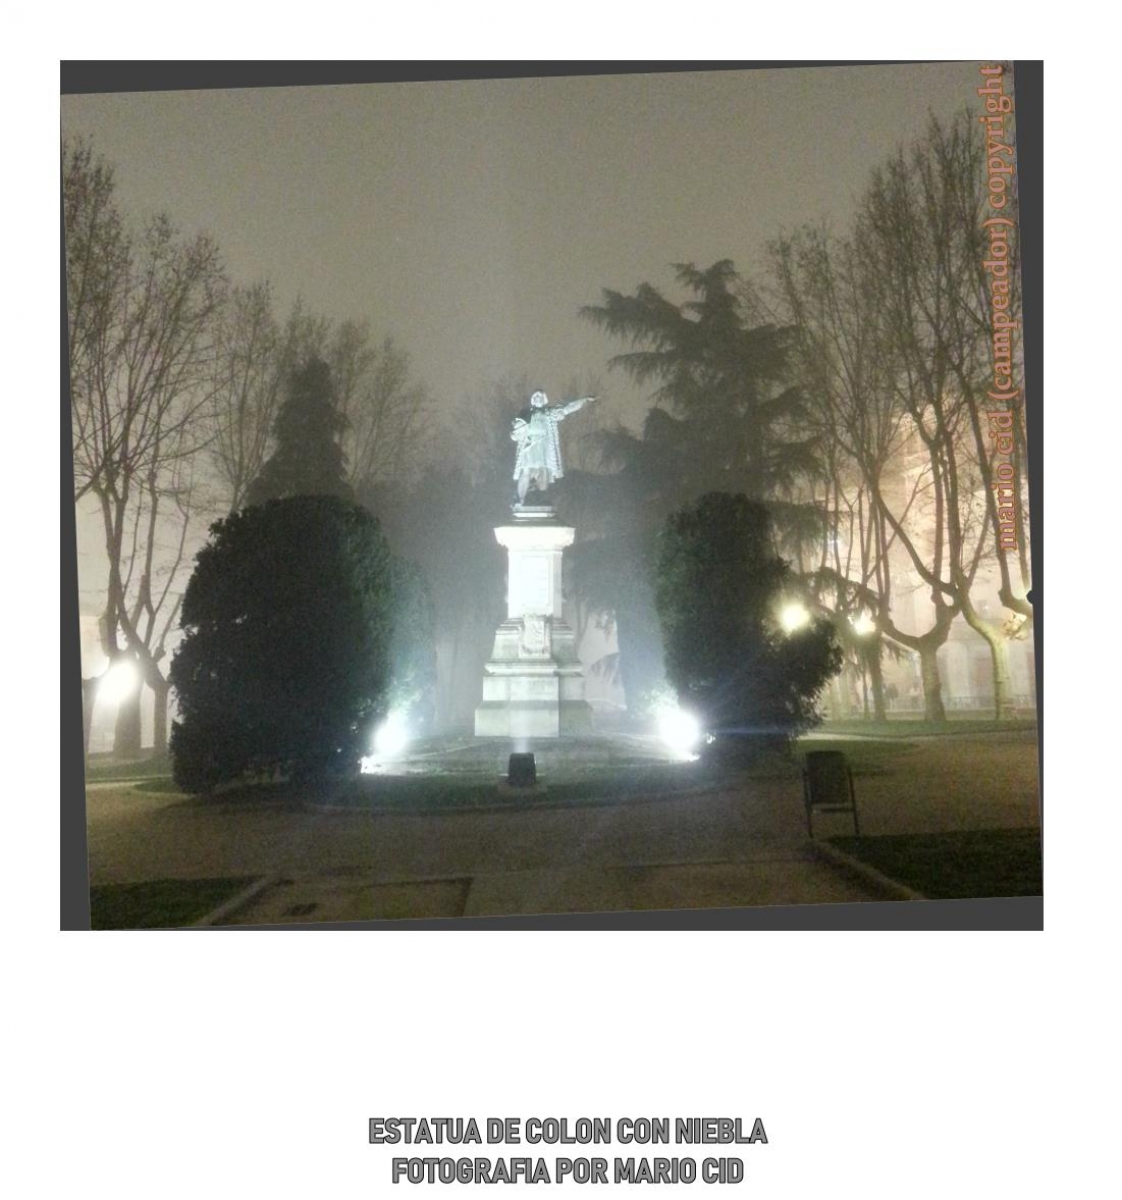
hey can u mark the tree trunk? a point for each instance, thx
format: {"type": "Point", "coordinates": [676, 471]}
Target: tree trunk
{"type": "Point", "coordinates": [876, 679]}
{"type": "Point", "coordinates": [848, 690]}
{"type": "Point", "coordinates": [126, 736]}
{"type": "Point", "coordinates": [160, 718]}
{"type": "Point", "coordinates": [1002, 689]}
{"type": "Point", "coordinates": [999, 662]}
{"type": "Point", "coordinates": [933, 709]}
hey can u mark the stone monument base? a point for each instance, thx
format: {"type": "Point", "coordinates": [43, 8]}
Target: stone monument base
{"type": "Point", "coordinates": [533, 685]}
{"type": "Point", "coordinates": [530, 698]}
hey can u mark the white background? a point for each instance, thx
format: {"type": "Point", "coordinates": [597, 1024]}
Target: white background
{"type": "Point", "coordinates": [922, 1065]}
{"type": "Point", "coordinates": [223, 1065]}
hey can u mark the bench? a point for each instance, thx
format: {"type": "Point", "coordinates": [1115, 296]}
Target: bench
{"type": "Point", "coordinates": [828, 787]}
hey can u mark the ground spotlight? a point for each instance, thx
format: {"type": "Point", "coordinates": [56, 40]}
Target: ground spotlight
{"type": "Point", "coordinates": [392, 736]}
{"type": "Point", "coordinates": [680, 730]}
{"type": "Point", "coordinates": [521, 771]}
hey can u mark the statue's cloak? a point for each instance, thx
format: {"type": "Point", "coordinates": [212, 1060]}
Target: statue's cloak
{"type": "Point", "coordinates": [539, 444]}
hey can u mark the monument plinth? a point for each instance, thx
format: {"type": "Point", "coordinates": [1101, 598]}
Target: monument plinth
{"type": "Point", "coordinates": [533, 685]}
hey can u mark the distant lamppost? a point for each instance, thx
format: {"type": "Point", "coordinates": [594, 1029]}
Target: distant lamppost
{"type": "Point", "coordinates": [793, 615]}
{"type": "Point", "coordinates": [863, 624]}
{"type": "Point", "coordinates": [119, 682]}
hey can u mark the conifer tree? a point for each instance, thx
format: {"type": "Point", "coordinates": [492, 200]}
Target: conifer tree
{"type": "Point", "coordinates": [718, 593]}
{"type": "Point", "coordinates": [290, 630]}
{"type": "Point", "coordinates": [727, 411]}
{"type": "Point", "coordinates": [308, 459]}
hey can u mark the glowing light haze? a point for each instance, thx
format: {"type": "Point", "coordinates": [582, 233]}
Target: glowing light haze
{"type": "Point", "coordinates": [793, 616]}
{"type": "Point", "coordinates": [680, 730]}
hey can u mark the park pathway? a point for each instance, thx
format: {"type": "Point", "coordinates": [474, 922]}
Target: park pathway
{"type": "Point", "coordinates": [729, 848]}
{"type": "Point", "coordinates": [668, 852]}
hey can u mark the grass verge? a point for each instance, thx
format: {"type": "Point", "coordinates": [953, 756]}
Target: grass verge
{"type": "Point", "coordinates": [572, 783]}
{"type": "Point", "coordinates": [104, 768]}
{"type": "Point", "coordinates": [160, 903]}
{"type": "Point", "coordinates": [437, 794]}
{"type": "Point", "coordinates": [866, 756]}
{"type": "Point", "coordinates": [974, 864]}
{"type": "Point", "coordinates": [905, 727]}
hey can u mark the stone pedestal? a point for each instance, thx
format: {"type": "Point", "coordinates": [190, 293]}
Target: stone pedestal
{"type": "Point", "coordinates": [533, 685]}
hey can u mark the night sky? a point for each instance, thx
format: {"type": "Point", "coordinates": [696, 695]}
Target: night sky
{"type": "Point", "coordinates": [471, 220]}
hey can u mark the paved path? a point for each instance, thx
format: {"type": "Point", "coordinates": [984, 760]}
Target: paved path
{"type": "Point", "coordinates": [653, 853]}
{"type": "Point", "coordinates": [741, 846]}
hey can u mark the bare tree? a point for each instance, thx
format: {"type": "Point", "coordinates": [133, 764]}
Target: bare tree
{"type": "Point", "coordinates": [97, 263]}
{"type": "Point", "coordinates": [140, 323]}
{"type": "Point", "coordinates": [923, 229]}
{"type": "Point", "coordinates": [894, 339]}
{"type": "Point", "coordinates": [385, 408]}
{"type": "Point", "coordinates": [97, 254]}
{"type": "Point", "coordinates": [823, 292]}
{"type": "Point", "coordinates": [950, 173]}
{"type": "Point", "coordinates": [161, 543]}
{"type": "Point", "coordinates": [879, 482]}
{"type": "Point", "coordinates": [255, 357]}
{"type": "Point", "coordinates": [245, 391]}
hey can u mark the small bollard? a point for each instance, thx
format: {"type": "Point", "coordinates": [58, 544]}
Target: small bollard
{"type": "Point", "coordinates": [521, 771]}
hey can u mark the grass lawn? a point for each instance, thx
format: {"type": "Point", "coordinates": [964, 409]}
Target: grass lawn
{"type": "Point", "coordinates": [905, 727]}
{"type": "Point", "coordinates": [956, 866]}
{"type": "Point", "coordinates": [157, 784]}
{"type": "Point", "coordinates": [599, 783]}
{"type": "Point", "coordinates": [161, 903]}
{"type": "Point", "coordinates": [104, 768]}
{"type": "Point", "coordinates": [434, 793]}
{"type": "Point", "coordinates": [449, 786]}
{"type": "Point", "coordinates": [866, 756]}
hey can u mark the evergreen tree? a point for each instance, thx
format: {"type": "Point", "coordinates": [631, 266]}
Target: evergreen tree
{"type": "Point", "coordinates": [719, 589]}
{"type": "Point", "coordinates": [308, 459]}
{"type": "Point", "coordinates": [287, 657]}
{"type": "Point", "coordinates": [727, 413]}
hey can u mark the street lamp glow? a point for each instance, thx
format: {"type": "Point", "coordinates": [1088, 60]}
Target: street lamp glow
{"type": "Point", "coordinates": [793, 616]}
{"type": "Point", "coordinates": [119, 682]}
{"type": "Point", "coordinates": [680, 730]}
{"type": "Point", "coordinates": [863, 624]}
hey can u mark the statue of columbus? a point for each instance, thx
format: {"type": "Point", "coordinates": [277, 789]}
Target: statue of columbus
{"type": "Point", "coordinates": [538, 461]}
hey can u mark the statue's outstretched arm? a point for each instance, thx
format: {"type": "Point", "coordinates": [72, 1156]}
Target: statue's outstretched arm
{"type": "Point", "coordinates": [563, 410]}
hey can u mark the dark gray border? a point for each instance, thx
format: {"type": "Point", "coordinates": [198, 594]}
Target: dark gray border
{"type": "Point", "coordinates": [1028, 84]}
{"type": "Point", "coordinates": [78, 77]}
{"type": "Point", "coordinates": [1012, 914]}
